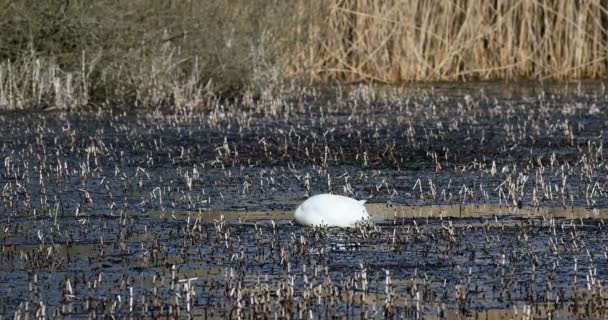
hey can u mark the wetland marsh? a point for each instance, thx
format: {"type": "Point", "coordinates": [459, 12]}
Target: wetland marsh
{"type": "Point", "coordinates": [489, 200]}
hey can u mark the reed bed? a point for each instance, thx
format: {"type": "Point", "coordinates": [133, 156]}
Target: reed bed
{"type": "Point", "coordinates": [402, 40]}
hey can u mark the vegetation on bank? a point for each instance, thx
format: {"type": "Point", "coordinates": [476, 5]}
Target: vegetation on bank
{"type": "Point", "coordinates": [62, 54]}
{"type": "Point", "coordinates": [70, 53]}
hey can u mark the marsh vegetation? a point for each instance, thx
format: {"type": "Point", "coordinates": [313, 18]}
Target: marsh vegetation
{"type": "Point", "coordinates": [487, 200]}
{"type": "Point", "coordinates": [177, 54]}
{"type": "Point", "coordinates": [177, 138]}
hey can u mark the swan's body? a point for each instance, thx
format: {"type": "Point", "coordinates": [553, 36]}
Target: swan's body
{"type": "Point", "coordinates": [332, 211]}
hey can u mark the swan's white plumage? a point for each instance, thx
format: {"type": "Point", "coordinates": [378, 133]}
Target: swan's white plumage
{"type": "Point", "coordinates": [331, 210]}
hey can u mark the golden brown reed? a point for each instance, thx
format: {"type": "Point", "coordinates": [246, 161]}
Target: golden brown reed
{"type": "Point", "coordinates": [402, 40]}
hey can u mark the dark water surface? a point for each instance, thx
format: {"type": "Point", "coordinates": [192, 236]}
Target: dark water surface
{"type": "Point", "coordinates": [119, 213]}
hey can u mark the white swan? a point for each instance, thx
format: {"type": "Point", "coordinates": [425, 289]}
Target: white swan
{"type": "Point", "coordinates": [332, 211]}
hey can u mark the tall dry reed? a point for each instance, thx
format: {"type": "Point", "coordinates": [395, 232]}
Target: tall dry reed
{"type": "Point", "coordinates": [405, 40]}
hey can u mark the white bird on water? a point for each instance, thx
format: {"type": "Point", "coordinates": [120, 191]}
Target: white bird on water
{"type": "Point", "coordinates": [332, 211]}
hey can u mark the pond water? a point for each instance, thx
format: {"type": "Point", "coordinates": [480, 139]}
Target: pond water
{"type": "Point", "coordinates": [488, 198]}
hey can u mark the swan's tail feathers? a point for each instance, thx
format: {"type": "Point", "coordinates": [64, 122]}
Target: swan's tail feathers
{"type": "Point", "coordinates": [362, 201]}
